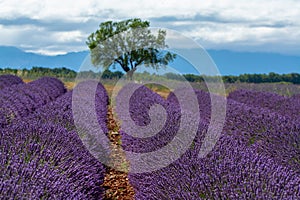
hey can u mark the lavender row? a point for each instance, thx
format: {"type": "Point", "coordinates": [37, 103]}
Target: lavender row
{"type": "Point", "coordinates": [9, 80]}
{"type": "Point", "coordinates": [73, 172]}
{"type": "Point", "coordinates": [60, 111]}
{"type": "Point", "coordinates": [88, 116]}
{"type": "Point", "coordinates": [85, 110]}
{"type": "Point", "coordinates": [283, 89]}
{"type": "Point", "coordinates": [231, 171]}
{"type": "Point", "coordinates": [45, 161]}
{"type": "Point", "coordinates": [256, 157]}
{"type": "Point", "coordinates": [20, 100]}
{"type": "Point", "coordinates": [257, 125]}
{"type": "Point", "coordinates": [274, 102]}
{"type": "Point", "coordinates": [139, 105]}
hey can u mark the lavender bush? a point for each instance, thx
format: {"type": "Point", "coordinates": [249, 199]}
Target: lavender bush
{"type": "Point", "coordinates": [9, 80]}
{"type": "Point", "coordinates": [257, 156]}
{"type": "Point", "coordinates": [140, 104]}
{"type": "Point", "coordinates": [284, 89]}
{"type": "Point", "coordinates": [283, 105]}
{"type": "Point", "coordinates": [44, 161]}
{"type": "Point", "coordinates": [61, 112]}
{"type": "Point", "coordinates": [20, 100]}
{"type": "Point", "coordinates": [42, 155]}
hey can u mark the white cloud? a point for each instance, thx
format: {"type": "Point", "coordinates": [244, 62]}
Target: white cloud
{"type": "Point", "coordinates": [39, 40]}
{"type": "Point", "coordinates": [217, 23]}
{"type": "Point", "coordinates": [224, 33]}
{"type": "Point", "coordinates": [69, 36]}
{"type": "Point", "coordinates": [227, 9]}
{"type": "Point", "coordinates": [47, 52]}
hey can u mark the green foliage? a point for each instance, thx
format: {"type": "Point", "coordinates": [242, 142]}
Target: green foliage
{"type": "Point", "coordinates": [128, 43]}
{"type": "Point", "coordinates": [263, 78]}
{"type": "Point", "coordinates": [193, 78]}
{"type": "Point", "coordinates": [243, 78]}
{"type": "Point", "coordinates": [174, 76]}
{"type": "Point", "coordinates": [36, 72]}
{"type": "Point", "coordinates": [107, 74]}
{"type": "Point", "coordinates": [67, 74]}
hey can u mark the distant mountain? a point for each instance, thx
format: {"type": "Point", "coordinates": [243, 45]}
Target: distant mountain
{"type": "Point", "coordinates": [228, 62]}
{"type": "Point", "coordinates": [235, 63]}
{"type": "Point", "coordinates": [15, 58]}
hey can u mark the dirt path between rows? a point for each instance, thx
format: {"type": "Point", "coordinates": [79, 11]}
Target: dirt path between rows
{"type": "Point", "coordinates": [116, 182]}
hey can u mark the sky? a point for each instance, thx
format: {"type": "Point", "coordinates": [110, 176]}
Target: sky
{"type": "Point", "coordinates": [55, 27]}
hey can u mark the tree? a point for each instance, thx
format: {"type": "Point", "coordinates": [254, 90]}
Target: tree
{"type": "Point", "coordinates": [129, 43]}
{"type": "Point", "coordinates": [107, 74]}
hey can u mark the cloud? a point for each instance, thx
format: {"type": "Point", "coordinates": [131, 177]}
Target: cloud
{"type": "Point", "coordinates": [37, 39]}
{"type": "Point", "coordinates": [53, 26]}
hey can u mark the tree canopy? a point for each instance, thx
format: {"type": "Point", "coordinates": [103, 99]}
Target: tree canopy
{"type": "Point", "coordinates": [129, 43]}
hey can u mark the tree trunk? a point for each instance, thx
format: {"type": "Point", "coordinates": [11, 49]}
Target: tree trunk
{"type": "Point", "coordinates": [129, 74]}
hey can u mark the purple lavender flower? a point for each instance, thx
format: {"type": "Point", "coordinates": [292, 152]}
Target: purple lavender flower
{"type": "Point", "coordinates": [9, 80]}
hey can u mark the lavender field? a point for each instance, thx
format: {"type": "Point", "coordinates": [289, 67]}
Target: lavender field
{"type": "Point", "coordinates": [43, 155]}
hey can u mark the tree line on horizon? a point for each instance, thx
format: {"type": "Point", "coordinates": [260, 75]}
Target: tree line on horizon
{"type": "Point", "coordinates": [68, 74]}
